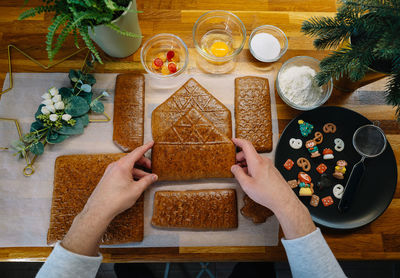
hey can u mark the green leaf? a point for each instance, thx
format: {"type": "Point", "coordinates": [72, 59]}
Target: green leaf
{"type": "Point", "coordinates": [37, 148]}
{"type": "Point", "coordinates": [36, 126]}
{"type": "Point", "coordinates": [17, 145]}
{"type": "Point", "coordinates": [29, 137]}
{"type": "Point", "coordinates": [65, 92]}
{"type": "Point", "coordinates": [71, 130]}
{"type": "Point", "coordinates": [89, 79]}
{"type": "Point", "coordinates": [39, 112]}
{"type": "Point", "coordinates": [55, 138]}
{"type": "Point", "coordinates": [57, 22]}
{"type": "Point", "coordinates": [73, 75]}
{"type": "Point", "coordinates": [87, 97]}
{"type": "Point", "coordinates": [86, 88]}
{"type": "Point", "coordinates": [97, 106]}
{"type": "Point", "coordinates": [83, 119]}
{"type": "Point", "coordinates": [76, 106]}
{"type": "Point", "coordinates": [89, 43]}
{"type": "Point", "coordinates": [122, 32]}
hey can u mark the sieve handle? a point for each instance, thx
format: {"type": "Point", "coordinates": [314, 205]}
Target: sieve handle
{"type": "Point", "coordinates": [354, 180]}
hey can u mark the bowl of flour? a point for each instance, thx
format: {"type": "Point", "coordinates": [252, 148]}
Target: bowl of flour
{"type": "Point", "coordinates": [296, 84]}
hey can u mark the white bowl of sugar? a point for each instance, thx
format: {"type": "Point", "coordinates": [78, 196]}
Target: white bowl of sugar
{"type": "Point", "coordinates": [268, 43]}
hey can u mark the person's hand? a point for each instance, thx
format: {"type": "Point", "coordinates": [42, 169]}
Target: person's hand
{"type": "Point", "coordinates": [117, 190]}
{"type": "Point", "coordinates": [259, 178]}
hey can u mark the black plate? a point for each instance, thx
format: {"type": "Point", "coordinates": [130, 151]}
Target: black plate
{"type": "Point", "coordinates": [377, 188]}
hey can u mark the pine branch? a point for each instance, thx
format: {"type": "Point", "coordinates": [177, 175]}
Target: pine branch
{"type": "Point", "coordinates": [122, 32]}
{"type": "Point", "coordinates": [352, 61]}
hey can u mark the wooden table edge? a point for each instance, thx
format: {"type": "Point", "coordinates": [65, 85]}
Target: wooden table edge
{"type": "Point", "coordinates": [185, 254]}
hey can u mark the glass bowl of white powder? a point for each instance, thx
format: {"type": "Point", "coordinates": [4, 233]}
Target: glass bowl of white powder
{"type": "Point", "coordinates": [268, 43]}
{"type": "Point", "coordinates": [297, 86]}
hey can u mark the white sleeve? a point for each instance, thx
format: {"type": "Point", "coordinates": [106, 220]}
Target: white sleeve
{"type": "Point", "coordinates": [310, 256]}
{"type": "Point", "coordinates": [64, 264]}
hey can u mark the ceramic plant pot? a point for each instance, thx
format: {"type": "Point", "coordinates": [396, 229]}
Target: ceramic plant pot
{"type": "Point", "coordinates": [114, 44]}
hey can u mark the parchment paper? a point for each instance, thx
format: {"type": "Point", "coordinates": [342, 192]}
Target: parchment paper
{"type": "Point", "coordinates": [25, 201]}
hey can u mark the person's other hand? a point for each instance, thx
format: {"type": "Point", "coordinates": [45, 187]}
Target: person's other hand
{"type": "Point", "coordinates": [117, 190]}
{"type": "Point", "coordinates": [264, 184]}
{"type": "Point", "coordinates": [259, 178]}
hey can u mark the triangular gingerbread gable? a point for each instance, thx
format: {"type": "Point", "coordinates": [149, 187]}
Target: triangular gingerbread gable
{"type": "Point", "coordinates": [190, 95]}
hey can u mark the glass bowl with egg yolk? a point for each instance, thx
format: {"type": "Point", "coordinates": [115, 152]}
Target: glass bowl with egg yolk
{"type": "Point", "coordinates": [219, 36]}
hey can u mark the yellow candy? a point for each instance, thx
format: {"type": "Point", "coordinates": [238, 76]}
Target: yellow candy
{"type": "Point", "coordinates": [220, 49]}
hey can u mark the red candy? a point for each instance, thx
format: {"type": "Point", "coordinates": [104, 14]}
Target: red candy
{"type": "Point", "coordinates": [327, 201]}
{"type": "Point", "coordinates": [321, 168]}
{"type": "Point", "coordinates": [172, 67]}
{"type": "Point", "coordinates": [158, 62]}
{"type": "Point", "coordinates": [288, 164]}
{"type": "Point", "coordinates": [170, 55]}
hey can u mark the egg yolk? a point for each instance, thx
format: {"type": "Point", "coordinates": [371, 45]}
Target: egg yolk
{"type": "Point", "coordinates": [219, 49]}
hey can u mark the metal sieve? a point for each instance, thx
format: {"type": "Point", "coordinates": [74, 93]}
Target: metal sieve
{"type": "Point", "coordinates": [369, 141]}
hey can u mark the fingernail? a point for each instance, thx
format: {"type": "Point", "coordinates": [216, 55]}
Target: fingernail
{"type": "Point", "coordinates": [154, 177]}
{"type": "Point", "coordinates": [233, 168]}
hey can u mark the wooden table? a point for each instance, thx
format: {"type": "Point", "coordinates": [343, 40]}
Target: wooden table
{"type": "Point", "coordinates": [377, 241]}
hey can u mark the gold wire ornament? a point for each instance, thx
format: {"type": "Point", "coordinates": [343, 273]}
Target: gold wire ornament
{"type": "Point", "coordinates": [29, 169]}
{"type": "Point", "coordinates": [10, 46]}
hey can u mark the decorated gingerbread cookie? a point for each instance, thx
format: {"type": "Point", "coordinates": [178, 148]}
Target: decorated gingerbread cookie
{"type": "Point", "coordinates": [321, 168]}
{"type": "Point", "coordinates": [292, 183]}
{"type": "Point", "coordinates": [288, 164]}
{"type": "Point", "coordinates": [327, 201]}
{"type": "Point", "coordinates": [306, 187]}
{"type": "Point", "coordinates": [340, 169]}
{"type": "Point", "coordinates": [311, 145]}
{"type": "Point", "coordinates": [295, 143]}
{"type": "Point", "coordinates": [339, 144]}
{"type": "Point", "coordinates": [305, 128]}
{"type": "Point", "coordinates": [256, 212]}
{"type": "Point", "coordinates": [327, 154]}
{"type": "Point", "coordinates": [338, 191]}
{"type": "Point", "coordinates": [314, 200]}
{"type": "Point", "coordinates": [329, 128]}
{"type": "Point", "coordinates": [304, 164]}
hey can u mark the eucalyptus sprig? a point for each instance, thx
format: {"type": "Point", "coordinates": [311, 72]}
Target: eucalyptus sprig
{"type": "Point", "coordinates": [62, 113]}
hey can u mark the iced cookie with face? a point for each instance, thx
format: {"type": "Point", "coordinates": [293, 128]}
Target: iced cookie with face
{"type": "Point", "coordinates": [306, 187]}
{"type": "Point", "coordinates": [311, 145]}
{"type": "Point", "coordinates": [340, 169]}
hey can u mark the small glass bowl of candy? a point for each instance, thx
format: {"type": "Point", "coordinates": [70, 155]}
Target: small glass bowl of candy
{"type": "Point", "coordinates": [164, 55]}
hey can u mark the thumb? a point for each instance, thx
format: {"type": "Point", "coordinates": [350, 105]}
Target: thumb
{"type": "Point", "coordinates": [146, 181]}
{"type": "Point", "coordinates": [240, 175]}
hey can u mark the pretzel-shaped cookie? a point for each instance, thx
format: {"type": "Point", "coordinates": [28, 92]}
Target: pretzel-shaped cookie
{"type": "Point", "coordinates": [329, 128]}
{"type": "Point", "coordinates": [318, 138]}
{"type": "Point", "coordinates": [304, 164]}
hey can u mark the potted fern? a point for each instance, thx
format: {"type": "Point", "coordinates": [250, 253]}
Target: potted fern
{"type": "Point", "coordinates": [112, 24]}
{"type": "Point", "coordinates": [365, 34]}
